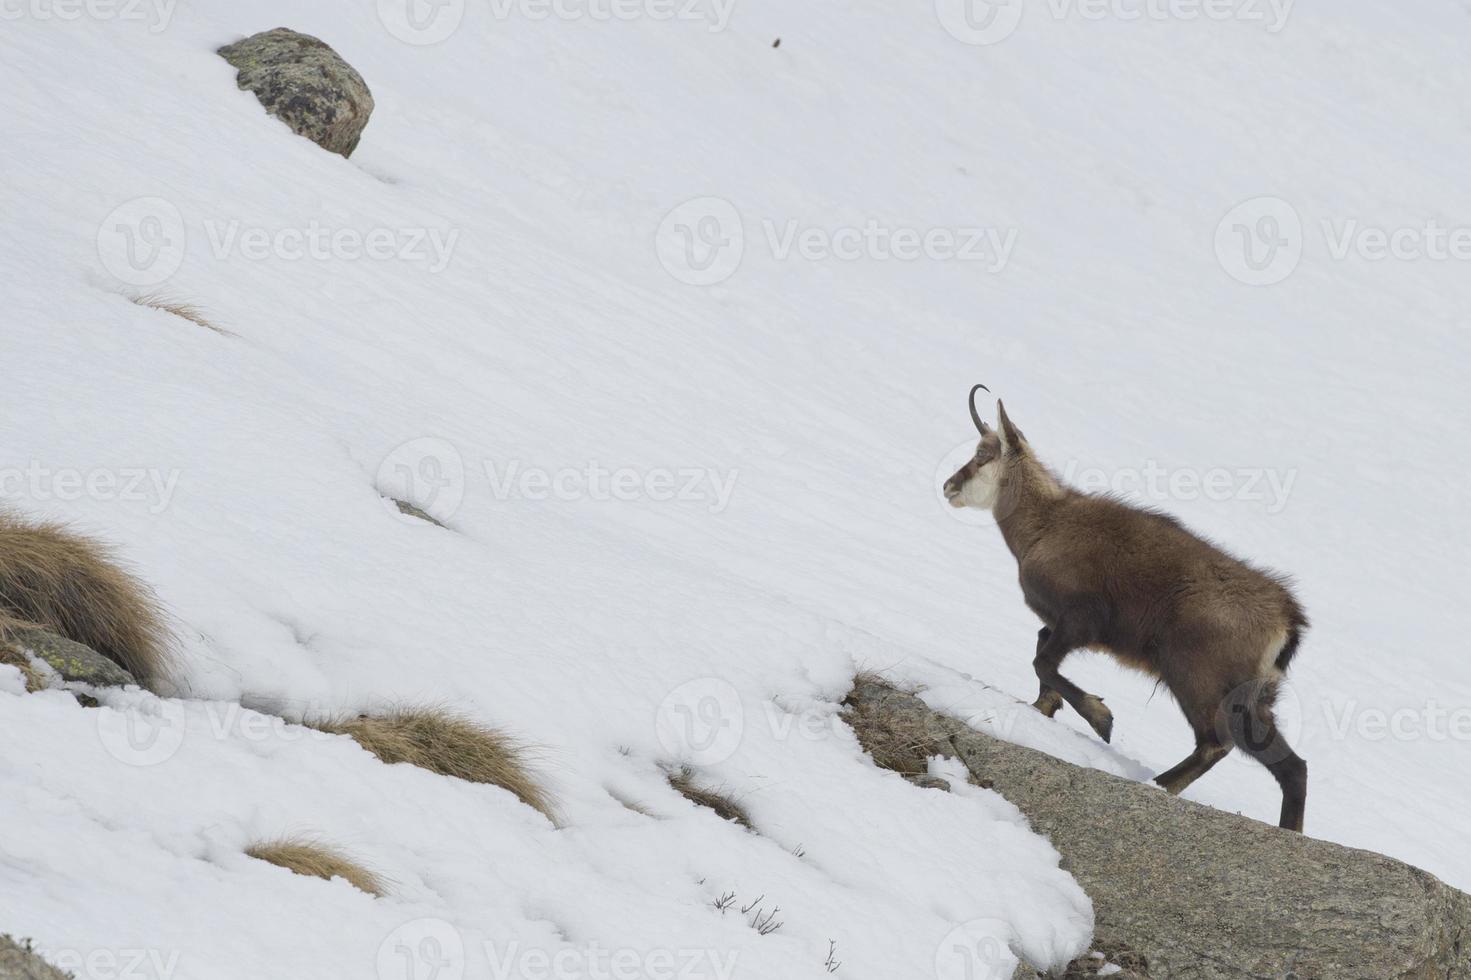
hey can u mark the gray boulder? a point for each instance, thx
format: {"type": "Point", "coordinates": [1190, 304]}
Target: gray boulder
{"type": "Point", "coordinates": [18, 962]}
{"type": "Point", "coordinates": [1191, 891]}
{"type": "Point", "coordinates": [305, 84]}
{"type": "Point", "coordinates": [73, 661]}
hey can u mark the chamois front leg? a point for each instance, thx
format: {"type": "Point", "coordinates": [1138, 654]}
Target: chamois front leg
{"type": "Point", "coordinates": [1049, 702]}
{"type": "Point", "coordinates": [1050, 654]}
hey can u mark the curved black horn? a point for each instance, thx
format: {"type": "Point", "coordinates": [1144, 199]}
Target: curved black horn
{"type": "Point", "coordinates": [974, 415]}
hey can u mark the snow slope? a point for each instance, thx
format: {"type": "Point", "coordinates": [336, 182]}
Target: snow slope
{"type": "Point", "coordinates": [782, 432]}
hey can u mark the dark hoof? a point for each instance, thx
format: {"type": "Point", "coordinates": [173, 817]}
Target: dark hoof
{"type": "Point", "coordinates": [1049, 703]}
{"type": "Point", "coordinates": [1098, 716]}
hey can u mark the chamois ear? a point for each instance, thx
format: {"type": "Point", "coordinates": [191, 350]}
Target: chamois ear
{"type": "Point", "coordinates": [1012, 440]}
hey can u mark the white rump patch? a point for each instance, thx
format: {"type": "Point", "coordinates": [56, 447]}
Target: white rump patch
{"type": "Point", "coordinates": [1268, 666]}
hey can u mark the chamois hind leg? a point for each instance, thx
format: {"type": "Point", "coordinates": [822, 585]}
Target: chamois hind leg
{"type": "Point", "coordinates": [1253, 726]}
{"type": "Point", "coordinates": [1049, 702]}
{"type": "Point", "coordinates": [1050, 654]}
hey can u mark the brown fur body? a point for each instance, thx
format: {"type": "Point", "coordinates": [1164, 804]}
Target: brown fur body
{"type": "Point", "coordinates": [1104, 575]}
{"type": "Point", "coordinates": [1137, 585]}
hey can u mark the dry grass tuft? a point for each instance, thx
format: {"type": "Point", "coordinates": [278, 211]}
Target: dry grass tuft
{"type": "Point", "coordinates": [866, 677]}
{"type": "Point", "coordinates": [903, 745]}
{"type": "Point", "coordinates": [304, 856]}
{"type": "Point", "coordinates": [683, 781]}
{"type": "Point", "coordinates": [185, 311]}
{"type": "Point", "coordinates": [631, 804]}
{"type": "Point", "coordinates": [55, 579]}
{"type": "Point", "coordinates": [12, 655]}
{"type": "Point", "coordinates": [19, 959]}
{"type": "Point", "coordinates": [435, 739]}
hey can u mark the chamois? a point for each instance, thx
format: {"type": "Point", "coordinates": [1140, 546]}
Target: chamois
{"type": "Point", "coordinates": [1134, 583]}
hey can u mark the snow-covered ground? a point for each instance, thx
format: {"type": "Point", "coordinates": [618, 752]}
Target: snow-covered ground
{"type": "Point", "coordinates": [672, 328]}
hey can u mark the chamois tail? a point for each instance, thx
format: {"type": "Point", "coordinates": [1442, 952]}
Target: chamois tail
{"type": "Point", "coordinates": [1297, 624]}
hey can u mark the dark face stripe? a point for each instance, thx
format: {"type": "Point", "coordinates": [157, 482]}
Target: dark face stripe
{"type": "Point", "coordinates": [984, 454]}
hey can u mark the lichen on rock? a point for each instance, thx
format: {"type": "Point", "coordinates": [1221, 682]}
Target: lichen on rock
{"type": "Point", "coordinates": [304, 83]}
{"type": "Point", "coordinates": [72, 660]}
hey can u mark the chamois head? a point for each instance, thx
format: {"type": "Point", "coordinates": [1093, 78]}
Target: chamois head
{"type": "Point", "coordinates": [978, 483]}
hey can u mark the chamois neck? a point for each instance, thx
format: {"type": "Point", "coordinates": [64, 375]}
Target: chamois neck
{"type": "Point", "coordinates": [1028, 493]}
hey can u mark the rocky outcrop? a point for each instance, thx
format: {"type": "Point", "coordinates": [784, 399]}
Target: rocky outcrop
{"type": "Point", "coordinates": [304, 83]}
{"type": "Point", "coordinates": [18, 962]}
{"type": "Point", "coordinates": [1109, 960]}
{"type": "Point", "coordinates": [1192, 891]}
{"type": "Point", "coordinates": [417, 513]}
{"type": "Point", "coordinates": [73, 661]}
